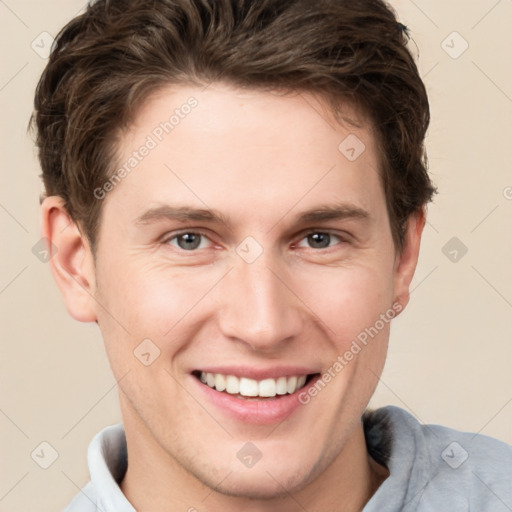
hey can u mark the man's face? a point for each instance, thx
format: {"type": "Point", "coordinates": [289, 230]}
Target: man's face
{"type": "Point", "coordinates": [262, 294]}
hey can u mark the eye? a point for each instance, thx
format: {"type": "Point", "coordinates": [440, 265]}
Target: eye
{"type": "Point", "coordinates": [320, 239]}
{"type": "Point", "coordinates": [188, 241]}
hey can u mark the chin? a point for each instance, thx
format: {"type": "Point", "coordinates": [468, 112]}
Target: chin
{"type": "Point", "coordinates": [263, 485]}
{"type": "Point", "coordinates": [266, 480]}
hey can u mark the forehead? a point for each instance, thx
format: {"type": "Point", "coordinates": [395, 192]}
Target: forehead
{"type": "Point", "coordinates": [222, 107]}
{"type": "Point", "coordinates": [250, 149]}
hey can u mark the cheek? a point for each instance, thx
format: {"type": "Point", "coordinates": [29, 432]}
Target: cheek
{"type": "Point", "coordinates": [154, 302]}
{"type": "Point", "coordinates": [346, 300]}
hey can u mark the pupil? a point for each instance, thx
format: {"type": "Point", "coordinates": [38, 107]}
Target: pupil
{"type": "Point", "coordinates": [319, 240]}
{"type": "Point", "coordinates": [190, 241]}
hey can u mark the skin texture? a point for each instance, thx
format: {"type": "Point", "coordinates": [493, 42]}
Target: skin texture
{"type": "Point", "coordinates": [261, 160]}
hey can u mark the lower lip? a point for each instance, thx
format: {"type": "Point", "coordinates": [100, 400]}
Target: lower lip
{"type": "Point", "coordinates": [257, 412]}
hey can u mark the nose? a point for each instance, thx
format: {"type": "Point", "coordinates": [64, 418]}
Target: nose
{"type": "Point", "coordinates": [258, 305]}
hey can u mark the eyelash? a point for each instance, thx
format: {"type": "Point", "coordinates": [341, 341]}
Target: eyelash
{"type": "Point", "coordinates": [304, 235]}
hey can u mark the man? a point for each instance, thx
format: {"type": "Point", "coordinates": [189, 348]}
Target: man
{"type": "Point", "coordinates": [235, 193]}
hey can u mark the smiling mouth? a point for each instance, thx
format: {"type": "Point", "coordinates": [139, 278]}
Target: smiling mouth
{"type": "Point", "coordinates": [251, 389]}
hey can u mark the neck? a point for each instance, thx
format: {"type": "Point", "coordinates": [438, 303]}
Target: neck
{"type": "Point", "coordinates": [347, 484]}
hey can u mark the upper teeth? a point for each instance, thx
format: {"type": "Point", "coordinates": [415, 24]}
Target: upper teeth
{"type": "Point", "coordinates": [251, 387]}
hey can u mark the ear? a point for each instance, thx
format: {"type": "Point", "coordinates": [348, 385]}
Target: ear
{"type": "Point", "coordinates": [406, 260]}
{"type": "Point", "coordinates": [71, 260]}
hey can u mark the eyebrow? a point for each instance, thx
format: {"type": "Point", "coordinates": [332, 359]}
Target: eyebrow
{"type": "Point", "coordinates": [187, 213]}
{"type": "Point", "coordinates": [182, 214]}
{"type": "Point", "coordinates": [333, 212]}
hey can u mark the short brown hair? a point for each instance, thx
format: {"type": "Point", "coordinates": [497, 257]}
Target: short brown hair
{"type": "Point", "coordinates": [108, 60]}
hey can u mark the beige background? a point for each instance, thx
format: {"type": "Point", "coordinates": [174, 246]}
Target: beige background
{"type": "Point", "coordinates": [450, 354]}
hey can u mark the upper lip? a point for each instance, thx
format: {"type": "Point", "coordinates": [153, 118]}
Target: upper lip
{"type": "Point", "coordinates": [251, 372]}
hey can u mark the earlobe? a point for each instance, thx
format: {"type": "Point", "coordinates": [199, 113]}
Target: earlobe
{"type": "Point", "coordinates": [407, 259]}
{"type": "Point", "coordinates": [71, 260]}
